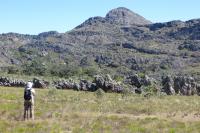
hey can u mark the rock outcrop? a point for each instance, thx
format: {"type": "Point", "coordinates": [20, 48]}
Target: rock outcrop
{"type": "Point", "coordinates": [4, 81]}
{"type": "Point", "coordinates": [181, 85]}
{"type": "Point", "coordinates": [105, 83]}
{"type": "Point", "coordinates": [167, 83]}
{"type": "Point", "coordinates": [121, 41]}
{"type": "Point", "coordinates": [125, 17]}
{"type": "Point", "coordinates": [38, 83]}
{"type": "Point", "coordinates": [140, 82]}
{"type": "Point", "coordinates": [11, 82]}
{"type": "Point", "coordinates": [185, 85]}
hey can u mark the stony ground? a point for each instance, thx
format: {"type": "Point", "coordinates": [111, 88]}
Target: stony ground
{"type": "Point", "coordinates": [60, 111]}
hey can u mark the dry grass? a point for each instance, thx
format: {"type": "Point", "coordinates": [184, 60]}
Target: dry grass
{"type": "Point", "coordinates": [70, 111]}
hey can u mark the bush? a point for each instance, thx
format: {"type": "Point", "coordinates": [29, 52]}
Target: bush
{"type": "Point", "coordinates": [90, 71]}
{"type": "Point", "coordinates": [65, 71]}
{"type": "Point", "coordinates": [13, 70]}
{"type": "Point", "coordinates": [141, 75]}
{"type": "Point", "coordinates": [118, 78]}
{"type": "Point", "coordinates": [150, 90]}
{"type": "Point", "coordinates": [35, 67]}
{"type": "Point", "coordinates": [99, 93]}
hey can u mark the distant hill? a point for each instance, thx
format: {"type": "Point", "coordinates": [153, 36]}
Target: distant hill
{"type": "Point", "coordinates": [121, 43]}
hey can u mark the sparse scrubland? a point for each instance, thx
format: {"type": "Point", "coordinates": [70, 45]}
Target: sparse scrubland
{"type": "Point", "coordinates": [136, 55]}
{"type": "Point", "coordinates": [119, 44]}
{"type": "Point", "coordinates": [66, 111]}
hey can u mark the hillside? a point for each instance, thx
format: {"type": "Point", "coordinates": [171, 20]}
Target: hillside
{"type": "Point", "coordinates": [121, 44]}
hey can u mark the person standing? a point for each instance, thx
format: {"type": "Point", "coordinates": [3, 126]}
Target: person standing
{"type": "Point", "coordinates": [29, 94]}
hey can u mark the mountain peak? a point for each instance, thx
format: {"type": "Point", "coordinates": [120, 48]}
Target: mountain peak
{"type": "Point", "coordinates": [118, 16]}
{"type": "Point", "coordinates": [125, 16]}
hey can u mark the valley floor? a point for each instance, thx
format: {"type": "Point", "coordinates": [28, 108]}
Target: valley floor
{"type": "Point", "coordinates": [69, 111]}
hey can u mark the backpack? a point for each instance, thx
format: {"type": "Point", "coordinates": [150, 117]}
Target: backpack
{"type": "Point", "coordinates": [27, 94]}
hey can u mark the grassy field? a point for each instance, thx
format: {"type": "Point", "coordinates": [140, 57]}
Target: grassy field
{"type": "Point", "coordinates": [58, 111]}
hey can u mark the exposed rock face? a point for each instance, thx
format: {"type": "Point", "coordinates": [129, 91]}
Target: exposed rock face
{"type": "Point", "coordinates": [106, 30]}
{"type": "Point", "coordinates": [185, 85]}
{"type": "Point", "coordinates": [147, 81]}
{"type": "Point", "coordinates": [105, 83]}
{"type": "Point", "coordinates": [136, 81]}
{"type": "Point", "coordinates": [4, 81]}
{"type": "Point", "coordinates": [167, 83]}
{"type": "Point", "coordinates": [99, 80]}
{"type": "Point", "coordinates": [125, 17]}
{"type": "Point", "coordinates": [87, 86]}
{"type": "Point", "coordinates": [122, 40]}
{"type": "Point", "coordinates": [180, 85]}
{"type": "Point", "coordinates": [119, 16]}
{"type": "Point", "coordinates": [50, 33]}
{"type": "Point", "coordinates": [70, 84]}
{"type": "Point", "coordinates": [198, 89]}
{"type": "Point", "coordinates": [37, 83]}
{"type": "Point", "coordinates": [139, 82]}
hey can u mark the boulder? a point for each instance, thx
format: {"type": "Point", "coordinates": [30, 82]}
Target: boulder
{"type": "Point", "coordinates": [84, 85]}
{"type": "Point", "coordinates": [146, 81]}
{"type": "Point", "coordinates": [88, 86]}
{"type": "Point", "coordinates": [135, 80]}
{"type": "Point", "coordinates": [198, 89]}
{"type": "Point", "coordinates": [69, 85]}
{"type": "Point", "coordinates": [138, 83]}
{"type": "Point", "coordinates": [18, 83]}
{"type": "Point", "coordinates": [4, 81]}
{"type": "Point", "coordinates": [92, 87]}
{"type": "Point", "coordinates": [167, 83]}
{"type": "Point", "coordinates": [76, 87]}
{"type": "Point", "coordinates": [107, 84]}
{"type": "Point", "coordinates": [37, 83]}
{"type": "Point", "coordinates": [99, 80]}
{"type": "Point", "coordinates": [139, 90]}
{"type": "Point", "coordinates": [66, 85]}
{"type": "Point", "coordinates": [185, 85]}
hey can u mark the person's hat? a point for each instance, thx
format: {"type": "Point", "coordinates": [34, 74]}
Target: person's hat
{"type": "Point", "coordinates": [29, 84]}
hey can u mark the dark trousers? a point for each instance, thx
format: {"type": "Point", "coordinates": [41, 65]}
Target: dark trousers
{"type": "Point", "coordinates": [28, 110]}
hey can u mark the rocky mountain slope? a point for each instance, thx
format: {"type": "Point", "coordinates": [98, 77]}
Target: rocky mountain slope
{"type": "Point", "coordinates": [120, 44]}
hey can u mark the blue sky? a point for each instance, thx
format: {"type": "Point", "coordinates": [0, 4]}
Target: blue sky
{"type": "Point", "coordinates": [35, 16]}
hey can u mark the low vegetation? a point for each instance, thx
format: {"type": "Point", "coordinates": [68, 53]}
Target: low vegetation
{"type": "Point", "coordinates": [59, 111]}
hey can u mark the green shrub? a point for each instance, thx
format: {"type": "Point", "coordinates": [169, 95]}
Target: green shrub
{"type": "Point", "coordinates": [150, 90]}
{"type": "Point", "coordinates": [141, 75]}
{"type": "Point", "coordinates": [65, 71]}
{"type": "Point", "coordinates": [118, 78]}
{"type": "Point", "coordinates": [12, 70]}
{"type": "Point", "coordinates": [99, 93]}
{"type": "Point", "coordinates": [90, 71]}
{"type": "Point", "coordinates": [35, 67]}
